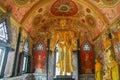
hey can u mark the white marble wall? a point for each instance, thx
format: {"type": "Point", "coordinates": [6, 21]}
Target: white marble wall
{"type": "Point", "coordinates": [75, 63]}
{"type": "Point", "coordinates": [50, 67]}
{"type": "Point", "coordinates": [9, 64]}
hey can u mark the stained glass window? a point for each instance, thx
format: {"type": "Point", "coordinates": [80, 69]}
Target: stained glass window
{"type": "Point", "coordinates": [4, 40]}
{"type": "Point", "coordinates": [24, 64]}
{"type": "Point", "coordinates": [26, 47]}
{"type": "Point", "coordinates": [86, 47]}
{"type": "Point", "coordinates": [26, 54]}
{"type": "Point", "coordinates": [2, 53]}
{"type": "Point", "coordinates": [3, 31]}
{"type": "Point", "coordinates": [40, 47]}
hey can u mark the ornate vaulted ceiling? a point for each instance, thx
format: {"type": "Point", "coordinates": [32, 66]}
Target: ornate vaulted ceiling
{"type": "Point", "coordinates": [44, 17]}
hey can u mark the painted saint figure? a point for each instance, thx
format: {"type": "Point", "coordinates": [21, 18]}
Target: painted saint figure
{"type": "Point", "coordinates": [112, 64]}
{"type": "Point", "coordinates": [38, 64]}
{"type": "Point", "coordinates": [87, 58]}
{"type": "Point", "coordinates": [98, 70]}
{"type": "Point", "coordinates": [114, 69]}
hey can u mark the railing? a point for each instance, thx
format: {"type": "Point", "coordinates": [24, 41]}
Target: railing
{"type": "Point", "coordinates": [40, 76]}
{"type": "Point", "coordinates": [63, 78]}
{"type": "Point", "coordinates": [31, 76]}
{"type": "Point", "coordinates": [87, 77]}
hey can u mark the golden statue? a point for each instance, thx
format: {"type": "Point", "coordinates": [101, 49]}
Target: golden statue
{"type": "Point", "coordinates": [64, 40]}
{"type": "Point", "coordinates": [65, 54]}
{"type": "Point", "coordinates": [98, 70]}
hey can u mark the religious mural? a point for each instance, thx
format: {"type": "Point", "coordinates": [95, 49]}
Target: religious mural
{"type": "Point", "coordinates": [112, 64]}
{"type": "Point", "coordinates": [39, 59]}
{"type": "Point", "coordinates": [87, 58]}
{"type": "Point", "coordinates": [64, 20]}
{"type": "Point", "coordinates": [115, 32]}
{"type": "Point", "coordinates": [40, 62]}
{"type": "Point", "coordinates": [107, 55]}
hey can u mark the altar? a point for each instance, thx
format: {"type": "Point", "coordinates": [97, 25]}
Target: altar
{"type": "Point", "coordinates": [87, 77]}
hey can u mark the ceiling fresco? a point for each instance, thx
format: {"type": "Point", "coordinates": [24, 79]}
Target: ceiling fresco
{"type": "Point", "coordinates": [64, 8]}
{"type": "Point", "coordinates": [44, 17]}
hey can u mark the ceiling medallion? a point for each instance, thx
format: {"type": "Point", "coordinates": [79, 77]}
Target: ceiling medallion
{"type": "Point", "coordinates": [90, 21]}
{"type": "Point", "coordinates": [64, 8]}
{"type": "Point", "coordinates": [37, 20]}
{"type": "Point", "coordinates": [110, 2]}
{"type": "Point", "coordinates": [21, 2]}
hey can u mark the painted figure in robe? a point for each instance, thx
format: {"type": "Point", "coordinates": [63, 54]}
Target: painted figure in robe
{"type": "Point", "coordinates": [113, 65]}
{"type": "Point", "coordinates": [98, 70]}
{"type": "Point", "coordinates": [114, 69]}
{"type": "Point", "coordinates": [38, 66]}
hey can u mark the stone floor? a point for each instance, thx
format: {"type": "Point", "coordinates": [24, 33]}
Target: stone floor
{"type": "Point", "coordinates": [27, 77]}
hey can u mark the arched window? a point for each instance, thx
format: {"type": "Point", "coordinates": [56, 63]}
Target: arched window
{"type": "Point", "coordinates": [26, 47]}
{"type": "Point", "coordinates": [3, 31]}
{"type": "Point", "coordinates": [40, 47]}
{"type": "Point", "coordinates": [26, 55]}
{"type": "Point", "coordinates": [86, 47]}
{"type": "Point", "coordinates": [4, 41]}
{"type": "Point", "coordinates": [25, 59]}
{"type": "Point", "coordinates": [2, 54]}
